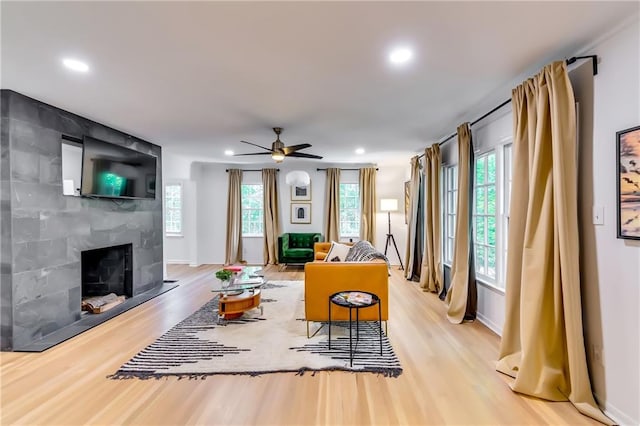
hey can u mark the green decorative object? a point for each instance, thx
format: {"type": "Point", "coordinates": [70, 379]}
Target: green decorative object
{"type": "Point", "coordinates": [224, 275]}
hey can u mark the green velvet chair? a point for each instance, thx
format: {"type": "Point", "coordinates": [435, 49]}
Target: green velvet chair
{"type": "Point", "coordinates": [297, 248]}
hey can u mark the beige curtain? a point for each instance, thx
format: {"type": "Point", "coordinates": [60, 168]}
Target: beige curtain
{"type": "Point", "coordinates": [414, 182]}
{"type": "Point", "coordinates": [462, 295]}
{"type": "Point", "coordinates": [431, 275]}
{"type": "Point", "coordinates": [271, 215]}
{"type": "Point", "coordinates": [367, 180]}
{"type": "Point", "coordinates": [542, 343]}
{"type": "Point", "coordinates": [332, 205]}
{"type": "Point", "coordinates": [233, 252]}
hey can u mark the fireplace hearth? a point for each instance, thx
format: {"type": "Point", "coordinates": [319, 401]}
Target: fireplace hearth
{"type": "Point", "coordinates": [107, 270]}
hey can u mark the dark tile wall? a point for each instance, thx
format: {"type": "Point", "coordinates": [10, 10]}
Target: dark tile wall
{"type": "Point", "coordinates": [43, 232]}
{"type": "Point", "coordinates": [6, 288]}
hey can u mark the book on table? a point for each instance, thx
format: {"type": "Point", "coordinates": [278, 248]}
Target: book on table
{"type": "Point", "coordinates": [359, 298]}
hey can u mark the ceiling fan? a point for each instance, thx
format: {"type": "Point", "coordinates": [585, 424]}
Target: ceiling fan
{"type": "Point", "coordinates": [278, 151]}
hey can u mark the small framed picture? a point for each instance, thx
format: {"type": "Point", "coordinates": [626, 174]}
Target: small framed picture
{"type": "Point", "coordinates": [301, 193]}
{"type": "Point", "coordinates": [300, 212]}
{"type": "Point", "coordinates": [628, 143]}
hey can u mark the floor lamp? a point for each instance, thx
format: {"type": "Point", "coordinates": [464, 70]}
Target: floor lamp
{"type": "Point", "coordinates": [390, 205]}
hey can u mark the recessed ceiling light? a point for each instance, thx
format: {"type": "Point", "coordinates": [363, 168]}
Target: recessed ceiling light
{"type": "Point", "coordinates": [400, 55]}
{"type": "Point", "coordinates": [228, 152]}
{"type": "Point", "coordinates": [359, 150]}
{"type": "Point", "coordinates": [75, 65]}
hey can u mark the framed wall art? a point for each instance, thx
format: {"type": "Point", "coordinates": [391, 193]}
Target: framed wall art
{"type": "Point", "coordinates": [628, 180]}
{"type": "Point", "coordinates": [301, 192]}
{"type": "Point", "coordinates": [300, 212]}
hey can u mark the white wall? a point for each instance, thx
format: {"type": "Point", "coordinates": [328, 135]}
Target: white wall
{"type": "Point", "coordinates": [181, 249]}
{"type": "Point", "coordinates": [609, 267]}
{"type": "Point", "coordinates": [72, 166]}
{"type": "Point", "coordinates": [205, 207]}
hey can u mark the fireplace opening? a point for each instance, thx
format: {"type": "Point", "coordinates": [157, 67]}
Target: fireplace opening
{"type": "Point", "coordinates": [107, 274]}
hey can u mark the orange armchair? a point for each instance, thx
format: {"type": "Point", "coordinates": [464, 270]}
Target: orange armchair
{"type": "Point", "coordinates": [322, 279]}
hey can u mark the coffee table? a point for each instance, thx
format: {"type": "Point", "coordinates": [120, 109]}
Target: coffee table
{"type": "Point", "coordinates": [241, 294]}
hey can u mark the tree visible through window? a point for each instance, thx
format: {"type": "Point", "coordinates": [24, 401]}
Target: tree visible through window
{"type": "Point", "coordinates": [173, 209]}
{"type": "Point", "coordinates": [484, 226]}
{"type": "Point", "coordinates": [349, 210]}
{"type": "Point", "coordinates": [252, 210]}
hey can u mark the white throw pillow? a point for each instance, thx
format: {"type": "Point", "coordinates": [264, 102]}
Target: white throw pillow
{"type": "Point", "coordinates": [337, 253]}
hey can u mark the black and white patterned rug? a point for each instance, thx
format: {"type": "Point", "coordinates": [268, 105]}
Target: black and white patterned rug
{"type": "Point", "coordinates": [259, 343]}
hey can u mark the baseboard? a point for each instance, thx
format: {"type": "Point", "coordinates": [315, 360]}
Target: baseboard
{"type": "Point", "coordinates": [194, 264]}
{"type": "Point", "coordinates": [614, 413]}
{"type": "Point", "coordinates": [178, 262]}
{"type": "Point", "coordinates": [489, 324]}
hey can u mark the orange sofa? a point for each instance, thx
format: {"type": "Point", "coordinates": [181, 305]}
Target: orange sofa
{"type": "Point", "coordinates": [322, 279]}
{"type": "Point", "coordinates": [320, 250]}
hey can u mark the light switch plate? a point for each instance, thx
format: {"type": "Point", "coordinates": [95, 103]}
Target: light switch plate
{"type": "Point", "coordinates": [598, 215]}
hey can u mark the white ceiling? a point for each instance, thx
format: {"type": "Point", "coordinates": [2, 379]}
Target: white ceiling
{"type": "Point", "coordinates": [199, 77]}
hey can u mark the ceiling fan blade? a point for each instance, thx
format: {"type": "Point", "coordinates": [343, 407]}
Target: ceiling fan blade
{"type": "Point", "coordinates": [303, 155]}
{"type": "Point", "coordinates": [259, 146]}
{"type": "Point", "coordinates": [254, 153]}
{"type": "Point", "coordinates": [289, 149]}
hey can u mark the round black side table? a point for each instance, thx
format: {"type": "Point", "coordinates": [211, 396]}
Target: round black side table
{"type": "Point", "coordinates": [349, 299]}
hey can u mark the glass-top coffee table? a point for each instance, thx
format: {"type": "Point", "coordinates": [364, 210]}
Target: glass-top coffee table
{"type": "Point", "coordinates": [240, 294]}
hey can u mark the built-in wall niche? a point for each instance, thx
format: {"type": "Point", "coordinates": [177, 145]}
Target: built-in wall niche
{"type": "Point", "coordinates": [71, 168]}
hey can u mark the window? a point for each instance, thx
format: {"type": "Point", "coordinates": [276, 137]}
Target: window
{"type": "Point", "coordinates": [252, 210]}
{"type": "Point", "coordinates": [484, 215]}
{"type": "Point", "coordinates": [450, 202]}
{"type": "Point", "coordinates": [173, 209]}
{"type": "Point", "coordinates": [506, 178]}
{"type": "Point", "coordinates": [349, 210]}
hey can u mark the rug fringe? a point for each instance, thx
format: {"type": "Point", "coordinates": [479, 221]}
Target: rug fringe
{"type": "Point", "coordinates": [126, 375]}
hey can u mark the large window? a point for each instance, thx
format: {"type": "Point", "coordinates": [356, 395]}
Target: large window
{"type": "Point", "coordinates": [484, 215]}
{"type": "Point", "coordinates": [506, 178]}
{"type": "Point", "coordinates": [252, 210]}
{"type": "Point", "coordinates": [349, 210]}
{"type": "Point", "coordinates": [450, 202]}
{"type": "Point", "coordinates": [173, 209]}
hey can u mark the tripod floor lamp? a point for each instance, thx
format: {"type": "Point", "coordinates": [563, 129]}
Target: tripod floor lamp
{"type": "Point", "coordinates": [390, 205]}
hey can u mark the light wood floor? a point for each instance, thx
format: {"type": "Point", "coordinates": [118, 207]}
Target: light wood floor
{"type": "Point", "coordinates": [448, 377]}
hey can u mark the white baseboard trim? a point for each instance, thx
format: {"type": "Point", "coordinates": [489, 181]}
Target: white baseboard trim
{"type": "Point", "coordinates": [178, 262]}
{"type": "Point", "coordinates": [489, 324]}
{"type": "Point", "coordinates": [615, 414]}
{"type": "Point", "coordinates": [194, 264]}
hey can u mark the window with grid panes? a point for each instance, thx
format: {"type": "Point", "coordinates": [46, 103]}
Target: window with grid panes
{"type": "Point", "coordinates": [252, 210]}
{"type": "Point", "coordinates": [507, 179]}
{"type": "Point", "coordinates": [484, 215]}
{"type": "Point", "coordinates": [173, 209]}
{"type": "Point", "coordinates": [450, 202]}
{"type": "Point", "coordinates": [349, 210]}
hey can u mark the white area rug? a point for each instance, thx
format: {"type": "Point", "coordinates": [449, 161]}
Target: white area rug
{"type": "Point", "coordinates": [256, 343]}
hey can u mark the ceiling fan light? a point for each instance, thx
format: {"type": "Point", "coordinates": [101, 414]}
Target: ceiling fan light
{"type": "Point", "coordinates": [277, 157]}
{"type": "Point", "coordinates": [297, 178]}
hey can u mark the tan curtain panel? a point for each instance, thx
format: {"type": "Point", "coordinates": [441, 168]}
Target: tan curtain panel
{"type": "Point", "coordinates": [414, 182]}
{"type": "Point", "coordinates": [332, 205]}
{"type": "Point", "coordinates": [542, 343]}
{"type": "Point", "coordinates": [462, 295]}
{"type": "Point", "coordinates": [233, 253]}
{"type": "Point", "coordinates": [431, 275]}
{"type": "Point", "coordinates": [271, 215]}
{"type": "Point", "coordinates": [367, 180]}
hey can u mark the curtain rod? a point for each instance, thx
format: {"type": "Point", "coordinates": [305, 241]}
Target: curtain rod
{"type": "Point", "coordinates": [344, 169]}
{"type": "Point", "coordinates": [250, 170]}
{"type": "Point", "coordinates": [594, 61]}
